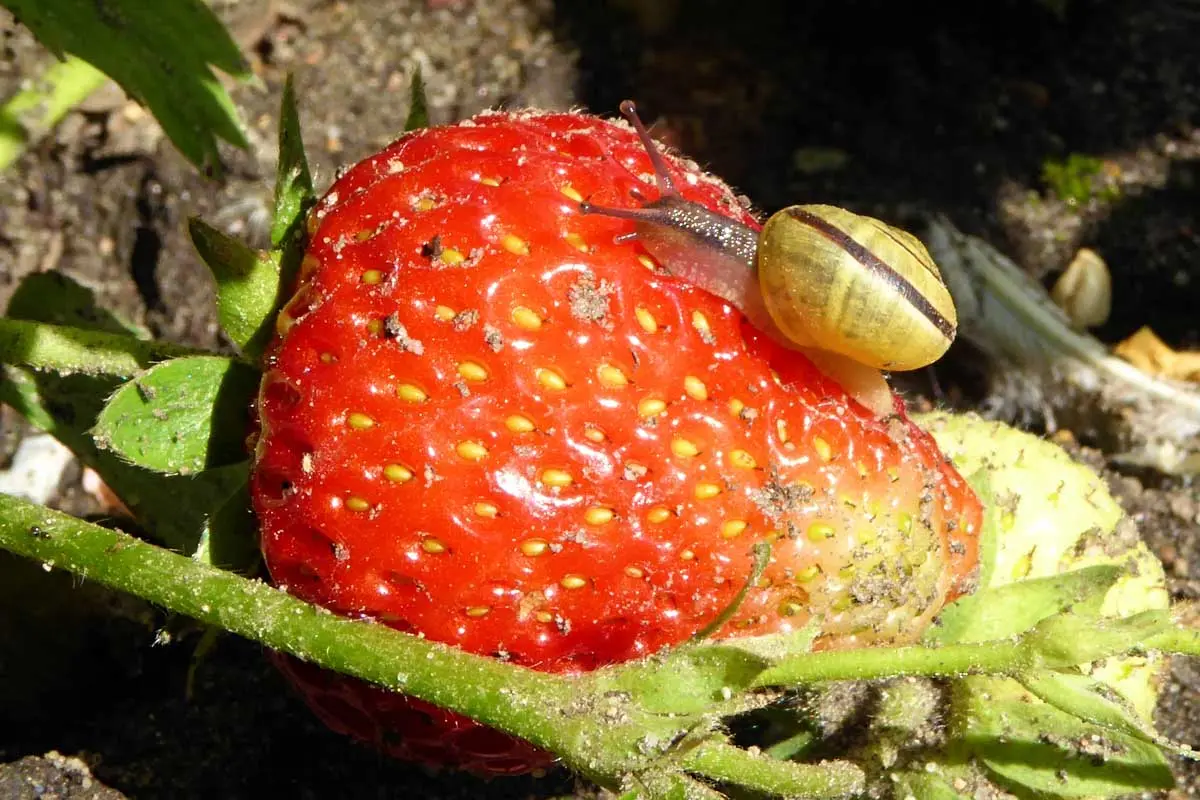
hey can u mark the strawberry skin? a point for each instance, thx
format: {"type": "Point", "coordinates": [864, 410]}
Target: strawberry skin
{"type": "Point", "coordinates": [486, 421]}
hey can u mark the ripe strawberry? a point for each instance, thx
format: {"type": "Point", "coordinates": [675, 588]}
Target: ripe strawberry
{"type": "Point", "coordinates": [488, 422]}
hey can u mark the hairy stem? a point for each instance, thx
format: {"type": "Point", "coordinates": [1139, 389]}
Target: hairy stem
{"type": "Point", "coordinates": [30, 114]}
{"type": "Point", "coordinates": [504, 696]}
{"type": "Point", "coordinates": [1183, 641]}
{"type": "Point", "coordinates": [1002, 656]}
{"type": "Point", "coordinates": [67, 350]}
{"type": "Point", "coordinates": [723, 762]}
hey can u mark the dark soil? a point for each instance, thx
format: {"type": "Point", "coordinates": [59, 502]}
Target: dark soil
{"type": "Point", "coordinates": [893, 109]}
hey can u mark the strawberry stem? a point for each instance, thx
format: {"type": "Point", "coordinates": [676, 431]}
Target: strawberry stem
{"type": "Point", "coordinates": [64, 349]}
{"type": "Point", "coordinates": [501, 695]}
{"type": "Point", "coordinates": [1058, 642]}
{"type": "Point", "coordinates": [724, 762]}
{"type": "Point", "coordinates": [1181, 641]}
{"type": "Point", "coordinates": [565, 715]}
{"type": "Point", "coordinates": [516, 700]}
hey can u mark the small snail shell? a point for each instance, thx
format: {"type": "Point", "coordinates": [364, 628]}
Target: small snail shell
{"type": "Point", "coordinates": [853, 285]}
{"type": "Point", "coordinates": [1084, 290]}
{"type": "Point", "coordinates": [855, 295]}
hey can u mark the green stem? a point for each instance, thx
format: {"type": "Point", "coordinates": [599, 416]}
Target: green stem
{"type": "Point", "coordinates": [721, 761]}
{"type": "Point", "coordinates": [1183, 641]}
{"type": "Point", "coordinates": [66, 350]}
{"type": "Point", "coordinates": [1001, 656]}
{"type": "Point", "coordinates": [29, 114]}
{"type": "Point", "coordinates": [507, 697]}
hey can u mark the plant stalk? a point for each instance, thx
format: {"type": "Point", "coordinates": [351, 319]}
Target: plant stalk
{"type": "Point", "coordinates": [724, 762]}
{"type": "Point", "coordinates": [504, 696]}
{"type": "Point", "coordinates": [67, 350]}
{"type": "Point", "coordinates": [1000, 656]}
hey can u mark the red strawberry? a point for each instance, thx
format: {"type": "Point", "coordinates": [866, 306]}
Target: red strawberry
{"type": "Point", "coordinates": [487, 422]}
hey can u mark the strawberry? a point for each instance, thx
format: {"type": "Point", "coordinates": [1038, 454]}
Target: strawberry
{"type": "Point", "coordinates": [493, 421]}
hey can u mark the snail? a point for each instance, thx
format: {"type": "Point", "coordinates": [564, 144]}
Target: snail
{"type": "Point", "coordinates": [853, 294]}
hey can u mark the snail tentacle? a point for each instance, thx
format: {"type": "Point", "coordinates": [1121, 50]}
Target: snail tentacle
{"type": "Point", "coordinates": [722, 256]}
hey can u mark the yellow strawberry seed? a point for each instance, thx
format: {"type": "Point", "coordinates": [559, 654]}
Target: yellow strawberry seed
{"type": "Point", "coordinates": [645, 319]}
{"type": "Point", "coordinates": [411, 394]}
{"type": "Point", "coordinates": [598, 515]}
{"type": "Point", "coordinates": [471, 451]}
{"type": "Point", "coordinates": [359, 421]}
{"type": "Point", "coordinates": [534, 547]}
{"type": "Point", "coordinates": [397, 473]}
{"type": "Point", "coordinates": [556, 477]}
{"type": "Point", "coordinates": [526, 318]}
{"type": "Point", "coordinates": [515, 245]}
{"type": "Point", "coordinates": [472, 371]}
{"type": "Point", "coordinates": [517, 423]}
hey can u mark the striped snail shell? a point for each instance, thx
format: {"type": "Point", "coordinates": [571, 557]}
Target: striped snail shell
{"type": "Point", "coordinates": [851, 293]}
{"type": "Point", "coordinates": [853, 285]}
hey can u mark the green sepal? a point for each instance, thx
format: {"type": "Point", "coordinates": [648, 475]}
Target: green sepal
{"type": "Point", "coordinates": [293, 181]}
{"type": "Point", "coordinates": [182, 416]}
{"type": "Point", "coordinates": [247, 286]}
{"type": "Point", "coordinates": [1016, 607]}
{"type": "Point", "coordinates": [418, 107]}
{"type": "Point", "coordinates": [1036, 749]}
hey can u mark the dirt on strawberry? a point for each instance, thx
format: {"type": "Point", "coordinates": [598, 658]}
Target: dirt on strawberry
{"type": "Point", "coordinates": [971, 110]}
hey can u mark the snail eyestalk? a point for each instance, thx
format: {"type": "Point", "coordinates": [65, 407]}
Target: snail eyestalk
{"type": "Point", "coordinates": [721, 256]}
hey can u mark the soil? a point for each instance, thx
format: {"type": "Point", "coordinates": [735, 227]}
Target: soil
{"type": "Point", "coordinates": [893, 109]}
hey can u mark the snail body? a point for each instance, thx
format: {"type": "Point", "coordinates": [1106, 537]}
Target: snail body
{"type": "Point", "coordinates": [852, 293]}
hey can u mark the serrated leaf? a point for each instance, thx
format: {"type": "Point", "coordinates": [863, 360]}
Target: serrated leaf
{"type": "Point", "coordinates": [1031, 746]}
{"type": "Point", "coordinates": [181, 416]}
{"type": "Point", "coordinates": [418, 107]}
{"type": "Point", "coordinates": [1016, 607]}
{"type": "Point", "coordinates": [248, 286]}
{"type": "Point", "coordinates": [1088, 699]}
{"type": "Point", "coordinates": [162, 54]}
{"type": "Point", "coordinates": [172, 508]}
{"type": "Point", "coordinates": [293, 181]}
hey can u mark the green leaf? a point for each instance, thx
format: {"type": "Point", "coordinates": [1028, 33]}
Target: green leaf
{"type": "Point", "coordinates": [293, 181]}
{"type": "Point", "coordinates": [182, 416]}
{"type": "Point", "coordinates": [773, 647]}
{"type": "Point", "coordinates": [229, 539]}
{"type": "Point", "coordinates": [418, 108]}
{"type": "Point", "coordinates": [1016, 607]}
{"type": "Point", "coordinates": [34, 111]}
{"type": "Point", "coordinates": [1088, 699]}
{"type": "Point", "coordinates": [172, 508]}
{"type": "Point", "coordinates": [248, 286]}
{"type": "Point", "coordinates": [161, 53]}
{"type": "Point", "coordinates": [1035, 747]}
{"type": "Point", "coordinates": [1068, 639]}
{"type": "Point", "coordinates": [54, 298]}
{"type": "Point", "coordinates": [925, 786]}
